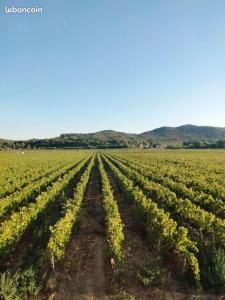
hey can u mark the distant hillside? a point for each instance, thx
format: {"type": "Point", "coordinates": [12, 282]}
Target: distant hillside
{"type": "Point", "coordinates": [102, 139]}
{"type": "Point", "coordinates": [116, 139]}
{"type": "Point", "coordinates": [185, 133]}
{"type": "Point", "coordinates": [102, 135]}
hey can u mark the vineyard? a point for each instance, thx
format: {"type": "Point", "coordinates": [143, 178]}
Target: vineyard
{"type": "Point", "coordinates": [132, 224]}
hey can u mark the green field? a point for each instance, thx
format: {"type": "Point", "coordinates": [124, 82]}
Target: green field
{"type": "Point", "coordinates": [122, 224]}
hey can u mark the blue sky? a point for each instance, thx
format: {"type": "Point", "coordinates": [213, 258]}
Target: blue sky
{"type": "Point", "coordinates": [84, 66]}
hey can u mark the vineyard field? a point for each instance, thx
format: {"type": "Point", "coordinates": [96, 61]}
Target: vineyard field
{"type": "Point", "coordinates": [112, 224]}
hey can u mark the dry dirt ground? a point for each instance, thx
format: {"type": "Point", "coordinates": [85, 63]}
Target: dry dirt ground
{"type": "Point", "coordinates": [85, 272]}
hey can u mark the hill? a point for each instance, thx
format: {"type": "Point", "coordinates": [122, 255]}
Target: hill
{"type": "Point", "coordinates": [186, 133]}
{"type": "Point", "coordinates": [116, 139]}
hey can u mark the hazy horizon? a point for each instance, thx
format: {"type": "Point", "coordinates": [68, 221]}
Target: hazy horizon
{"type": "Point", "coordinates": [86, 66]}
{"type": "Point", "coordinates": [109, 129]}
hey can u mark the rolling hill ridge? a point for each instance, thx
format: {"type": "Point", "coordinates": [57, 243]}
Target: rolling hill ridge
{"type": "Point", "coordinates": [116, 139]}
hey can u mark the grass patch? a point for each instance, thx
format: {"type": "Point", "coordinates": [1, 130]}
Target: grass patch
{"type": "Point", "coordinates": [214, 274]}
{"type": "Point", "coordinates": [19, 285]}
{"type": "Point", "coordinates": [153, 275]}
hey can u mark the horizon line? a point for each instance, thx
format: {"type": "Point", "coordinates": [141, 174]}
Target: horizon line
{"type": "Point", "coordinates": [84, 133]}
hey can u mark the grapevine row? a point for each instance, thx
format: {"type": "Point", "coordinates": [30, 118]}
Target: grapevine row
{"type": "Point", "coordinates": [200, 218]}
{"type": "Point", "coordinates": [16, 185]}
{"type": "Point", "coordinates": [17, 171]}
{"type": "Point", "coordinates": [206, 201]}
{"type": "Point", "coordinates": [61, 231]}
{"type": "Point", "coordinates": [158, 223]}
{"type": "Point", "coordinates": [114, 226]}
{"type": "Point", "coordinates": [32, 190]}
{"type": "Point", "coordinates": [192, 179]}
{"type": "Point", "coordinates": [13, 228]}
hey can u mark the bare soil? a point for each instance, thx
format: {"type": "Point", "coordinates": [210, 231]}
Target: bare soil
{"type": "Point", "coordinates": [136, 251]}
{"type": "Point", "coordinates": [36, 236]}
{"type": "Point", "coordinates": [83, 274]}
{"type": "Point", "coordinates": [138, 254]}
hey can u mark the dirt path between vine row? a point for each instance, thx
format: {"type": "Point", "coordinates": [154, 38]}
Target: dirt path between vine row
{"type": "Point", "coordinates": [137, 255]}
{"type": "Point", "coordinates": [136, 252]}
{"type": "Point", "coordinates": [83, 273]}
{"type": "Point", "coordinates": [36, 236]}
